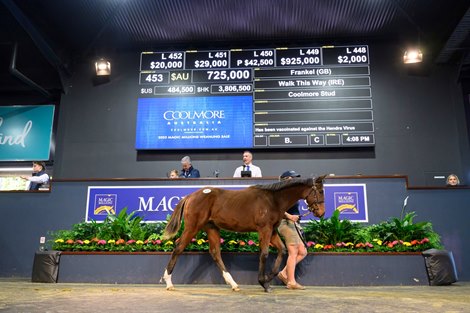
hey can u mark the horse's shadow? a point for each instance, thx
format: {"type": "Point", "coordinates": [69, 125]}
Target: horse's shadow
{"type": "Point", "coordinates": [243, 266]}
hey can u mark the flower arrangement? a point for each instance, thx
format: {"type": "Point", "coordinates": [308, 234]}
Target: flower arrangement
{"type": "Point", "coordinates": [395, 235]}
{"type": "Point", "coordinates": [126, 233]}
{"type": "Point", "coordinates": [153, 243]}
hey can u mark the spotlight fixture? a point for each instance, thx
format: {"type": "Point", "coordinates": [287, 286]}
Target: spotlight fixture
{"type": "Point", "coordinates": [103, 67]}
{"type": "Point", "coordinates": [413, 56]}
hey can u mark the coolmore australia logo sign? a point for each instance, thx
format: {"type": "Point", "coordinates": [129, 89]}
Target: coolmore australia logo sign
{"type": "Point", "coordinates": [25, 132]}
{"type": "Point", "coordinates": [155, 203]}
{"type": "Point", "coordinates": [194, 115]}
{"type": "Point", "coordinates": [194, 123]}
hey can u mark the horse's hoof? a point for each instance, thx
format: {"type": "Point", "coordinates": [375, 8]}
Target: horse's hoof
{"type": "Point", "coordinates": [236, 288]}
{"type": "Point", "coordinates": [170, 288]}
{"type": "Point", "coordinates": [267, 287]}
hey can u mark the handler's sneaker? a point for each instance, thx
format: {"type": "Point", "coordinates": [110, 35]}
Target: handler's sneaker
{"type": "Point", "coordinates": [296, 286]}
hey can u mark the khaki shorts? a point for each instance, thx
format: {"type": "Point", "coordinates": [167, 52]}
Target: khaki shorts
{"type": "Point", "coordinates": [289, 232]}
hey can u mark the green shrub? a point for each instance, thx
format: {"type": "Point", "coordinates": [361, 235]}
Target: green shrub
{"type": "Point", "coordinates": [332, 230]}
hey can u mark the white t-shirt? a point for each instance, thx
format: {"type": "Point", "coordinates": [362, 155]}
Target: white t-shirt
{"type": "Point", "coordinates": [42, 179]}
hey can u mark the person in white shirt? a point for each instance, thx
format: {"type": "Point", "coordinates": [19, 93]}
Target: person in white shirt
{"type": "Point", "coordinates": [39, 176]}
{"type": "Point", "coordinates": [248, 166]}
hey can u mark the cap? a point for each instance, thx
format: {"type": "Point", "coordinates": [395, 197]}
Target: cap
{"type": "Point", "coordinates": [289, 174]}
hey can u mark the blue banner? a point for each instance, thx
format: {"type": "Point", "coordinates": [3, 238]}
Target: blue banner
{"type": "Point", "coordinates": [25, 132]}
{"type": "Point", "coordinates": [194, 123]}
{"type": "Point", "coordinates": [155, 203]}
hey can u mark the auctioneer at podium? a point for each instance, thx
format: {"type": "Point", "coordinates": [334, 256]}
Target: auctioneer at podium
{"type": "Point", "coordinates": [247, 168]}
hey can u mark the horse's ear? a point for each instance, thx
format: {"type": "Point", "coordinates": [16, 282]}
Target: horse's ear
{"type": "Point", "coordinates": [320, 179]}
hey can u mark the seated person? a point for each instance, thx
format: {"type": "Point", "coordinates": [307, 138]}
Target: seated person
{"type": "Point", "coordinates": [452, 180]}
{"type": "Point", "coordinates": [188, 170]}
{"type": "Point", "coordinates": [39, 178]}
{"type": "Point", "coordinates": [248, 166]}
{"type": "Point", "coordinates": [172, 174]}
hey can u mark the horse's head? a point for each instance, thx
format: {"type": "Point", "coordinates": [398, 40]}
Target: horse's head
{"type": "Point", "coordinates": [315, 198]}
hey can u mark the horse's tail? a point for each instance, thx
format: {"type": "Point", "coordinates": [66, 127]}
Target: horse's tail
{"type": "Point", "coordinates": [175, 221]}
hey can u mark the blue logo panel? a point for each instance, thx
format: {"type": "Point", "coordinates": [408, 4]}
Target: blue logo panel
{"type": "Point", "coordinates": [349, 199]}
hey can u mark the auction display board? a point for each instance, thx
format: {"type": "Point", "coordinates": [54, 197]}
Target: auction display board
{"type": "Point", "coordinates": [255, 98]}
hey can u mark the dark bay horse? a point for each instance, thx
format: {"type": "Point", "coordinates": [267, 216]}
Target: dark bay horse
{"type": "Point", "coordinates": [257, 208]}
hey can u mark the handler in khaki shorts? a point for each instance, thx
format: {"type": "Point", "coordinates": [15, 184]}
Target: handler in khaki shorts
{"type": "Point", "coordinates": [295, 245]}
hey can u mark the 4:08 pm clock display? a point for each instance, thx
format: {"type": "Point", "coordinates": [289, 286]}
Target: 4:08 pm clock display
{"type": "Point", "coordinates": [308, 97]}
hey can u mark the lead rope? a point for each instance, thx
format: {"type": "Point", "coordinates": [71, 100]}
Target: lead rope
{"type": "Point", "coordinates": [301, 235]}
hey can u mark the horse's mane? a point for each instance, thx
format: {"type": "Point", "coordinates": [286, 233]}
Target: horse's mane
{"type": "Point", "coordinates": [285, 184]}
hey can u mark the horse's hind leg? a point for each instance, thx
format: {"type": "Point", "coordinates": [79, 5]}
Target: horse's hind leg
{"type": "Point", "coordinates": [281, 250]}
{"type": "Point", "coordinates": [185, 238]}
{"type": "Point", "coordinates": [264, 239]}
{"type": "Point", "coordinates": [213, 235]}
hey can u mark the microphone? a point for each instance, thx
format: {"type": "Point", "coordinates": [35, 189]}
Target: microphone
{"type": "Point", "coordinates": [244, 166]}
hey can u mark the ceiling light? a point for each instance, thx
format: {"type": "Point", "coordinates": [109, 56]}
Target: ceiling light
{"type": "Point", "coordinates": [103, 67]}
{"type": "Point", "coordinates": [413, 56]}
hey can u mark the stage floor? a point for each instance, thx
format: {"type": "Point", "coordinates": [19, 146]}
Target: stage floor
{"type": "Point", "coordinates": [24, 296]}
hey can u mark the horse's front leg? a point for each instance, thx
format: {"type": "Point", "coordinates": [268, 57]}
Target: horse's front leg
{"type": "Point", "coordinates": [264, 239]}
{"type": "Point", "coordinates": [213, 235]}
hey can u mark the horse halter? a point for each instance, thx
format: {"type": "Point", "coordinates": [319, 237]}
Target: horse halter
{"type": "Point", "coordinates": [315, 203]}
